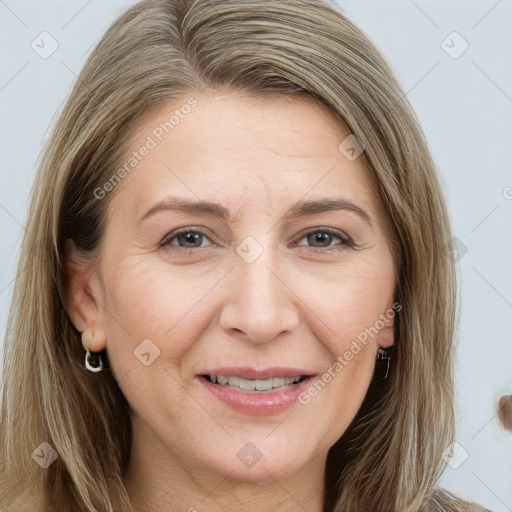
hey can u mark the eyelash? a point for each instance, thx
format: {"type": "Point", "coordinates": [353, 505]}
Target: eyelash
{"type": "Point", "coordinates": [345, 240]}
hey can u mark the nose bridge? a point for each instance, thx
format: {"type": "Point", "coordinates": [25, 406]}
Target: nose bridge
{"type": "Point", "coordinates": [253, 269]}
{"type": "Point", "coordinates": [259, 285]}
{"type": "Point", "coordinates": [259, 305]}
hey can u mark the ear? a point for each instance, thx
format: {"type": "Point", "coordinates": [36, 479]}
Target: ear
{"type": "Point", "coordinates": [82, 296]}
{"type": "Point", "coordinates": [386, 336]}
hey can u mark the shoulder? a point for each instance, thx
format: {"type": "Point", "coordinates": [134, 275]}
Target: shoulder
{"type": "Point", "coordinates": [444, 501]}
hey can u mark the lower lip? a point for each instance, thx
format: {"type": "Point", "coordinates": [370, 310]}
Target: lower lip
{"type": "Point", "coordinates": [257, 404]}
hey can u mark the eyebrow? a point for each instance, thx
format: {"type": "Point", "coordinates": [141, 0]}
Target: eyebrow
{"type": "Point", "coordinates": [180, 204]}
{"type": "Point", "coordinates": [300, 209]}
{"type": "Point", "coordinates": [313, 206]}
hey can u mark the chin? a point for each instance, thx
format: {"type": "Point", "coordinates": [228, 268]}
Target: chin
{"type": "Point", "coordinates": [263, 472]}
{"type": "Point", "coordinates": [260, 462]}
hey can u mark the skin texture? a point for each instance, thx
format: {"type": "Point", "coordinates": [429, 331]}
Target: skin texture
{"type": "Point", "coordinates": [300, 303]}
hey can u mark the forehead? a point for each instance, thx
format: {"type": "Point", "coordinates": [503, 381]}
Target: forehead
{"type": "Point", "coordinates": [231, 145]}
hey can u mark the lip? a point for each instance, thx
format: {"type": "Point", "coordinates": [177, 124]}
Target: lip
{"type": "Point", "coordinates": [249, 372]}
{"type": "Point", "coordinates": [253, 403]}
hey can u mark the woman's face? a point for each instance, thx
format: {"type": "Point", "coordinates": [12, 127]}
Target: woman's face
{"type": "Point", "coordinates": [243, 246]}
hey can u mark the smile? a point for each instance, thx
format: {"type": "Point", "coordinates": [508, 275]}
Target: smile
{"type": "Point", "coordinates": [255, 391]}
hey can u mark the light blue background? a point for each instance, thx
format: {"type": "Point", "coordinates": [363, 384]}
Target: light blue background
{"type": "Point", "coordinates": [465, 107]}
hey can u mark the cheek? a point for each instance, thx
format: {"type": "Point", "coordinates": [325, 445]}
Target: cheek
{"type": "Point", "coordinates": [154, 319]}
{"type": "Point", "coordinates": [351, 303]}
{"type": "Point", "coordinates": [345, 310]}
{"type": "Point", "coordinates": [153, 304]}
{"type": "Point", "coordinates": [347, 303]}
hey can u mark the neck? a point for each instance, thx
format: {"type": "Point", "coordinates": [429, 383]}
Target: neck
{"type": "Point", "coordinates": [158, 481]}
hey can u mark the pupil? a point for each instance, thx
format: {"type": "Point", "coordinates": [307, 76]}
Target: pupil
{"type": "Point", "coordinates": [323, 239]}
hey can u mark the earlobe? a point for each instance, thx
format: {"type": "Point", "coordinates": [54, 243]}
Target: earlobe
{"type": "Point", "coordinates": [386, 326]}
{"type": "Point", "coordinates": [94, 338]}
{"type": "Point", "coordinates": [386, 337]}
{"type": "Point", "coordinates": [80, 298]}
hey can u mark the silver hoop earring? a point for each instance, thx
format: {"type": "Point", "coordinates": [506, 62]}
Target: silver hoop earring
{"type": "Point", "coordinates": [382, 365]}
{"type": "Point", "coordinates": [94, 362]}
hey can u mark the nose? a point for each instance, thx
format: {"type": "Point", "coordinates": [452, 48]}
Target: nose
{"type": "Point", "coordinates": [260, 304]}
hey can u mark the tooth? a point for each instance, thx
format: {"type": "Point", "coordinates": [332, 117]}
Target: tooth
{"type": "Point", "coordinates": [221, 379]}
{"type": "Point", "coordinates": [277, 382]}
{"type": "Point", "coordinates": [246, 385]}
{"type": "Point", "coordinates": [254, 384]}
{"type": "Point", "coordinates": [264, 385]}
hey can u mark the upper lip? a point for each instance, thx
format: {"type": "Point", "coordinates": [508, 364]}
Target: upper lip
{"type": "Point", "coordinates": [248, 372]}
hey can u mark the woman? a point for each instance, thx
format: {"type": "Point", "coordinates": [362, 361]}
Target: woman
{"type": "Point", "coordinates": [234, 294]}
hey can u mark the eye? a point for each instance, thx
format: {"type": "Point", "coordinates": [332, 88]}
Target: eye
{"type": "Point", "coordinates": [186, 238]}
{"type": "Point", "coordinates": [325, 238]}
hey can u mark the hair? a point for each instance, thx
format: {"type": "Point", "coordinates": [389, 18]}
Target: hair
{"type": "Point", "coordinates": [392, 455]}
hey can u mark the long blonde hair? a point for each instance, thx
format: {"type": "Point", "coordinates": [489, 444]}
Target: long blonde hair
{"type": "Point", "coordinates": [391, 457]}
